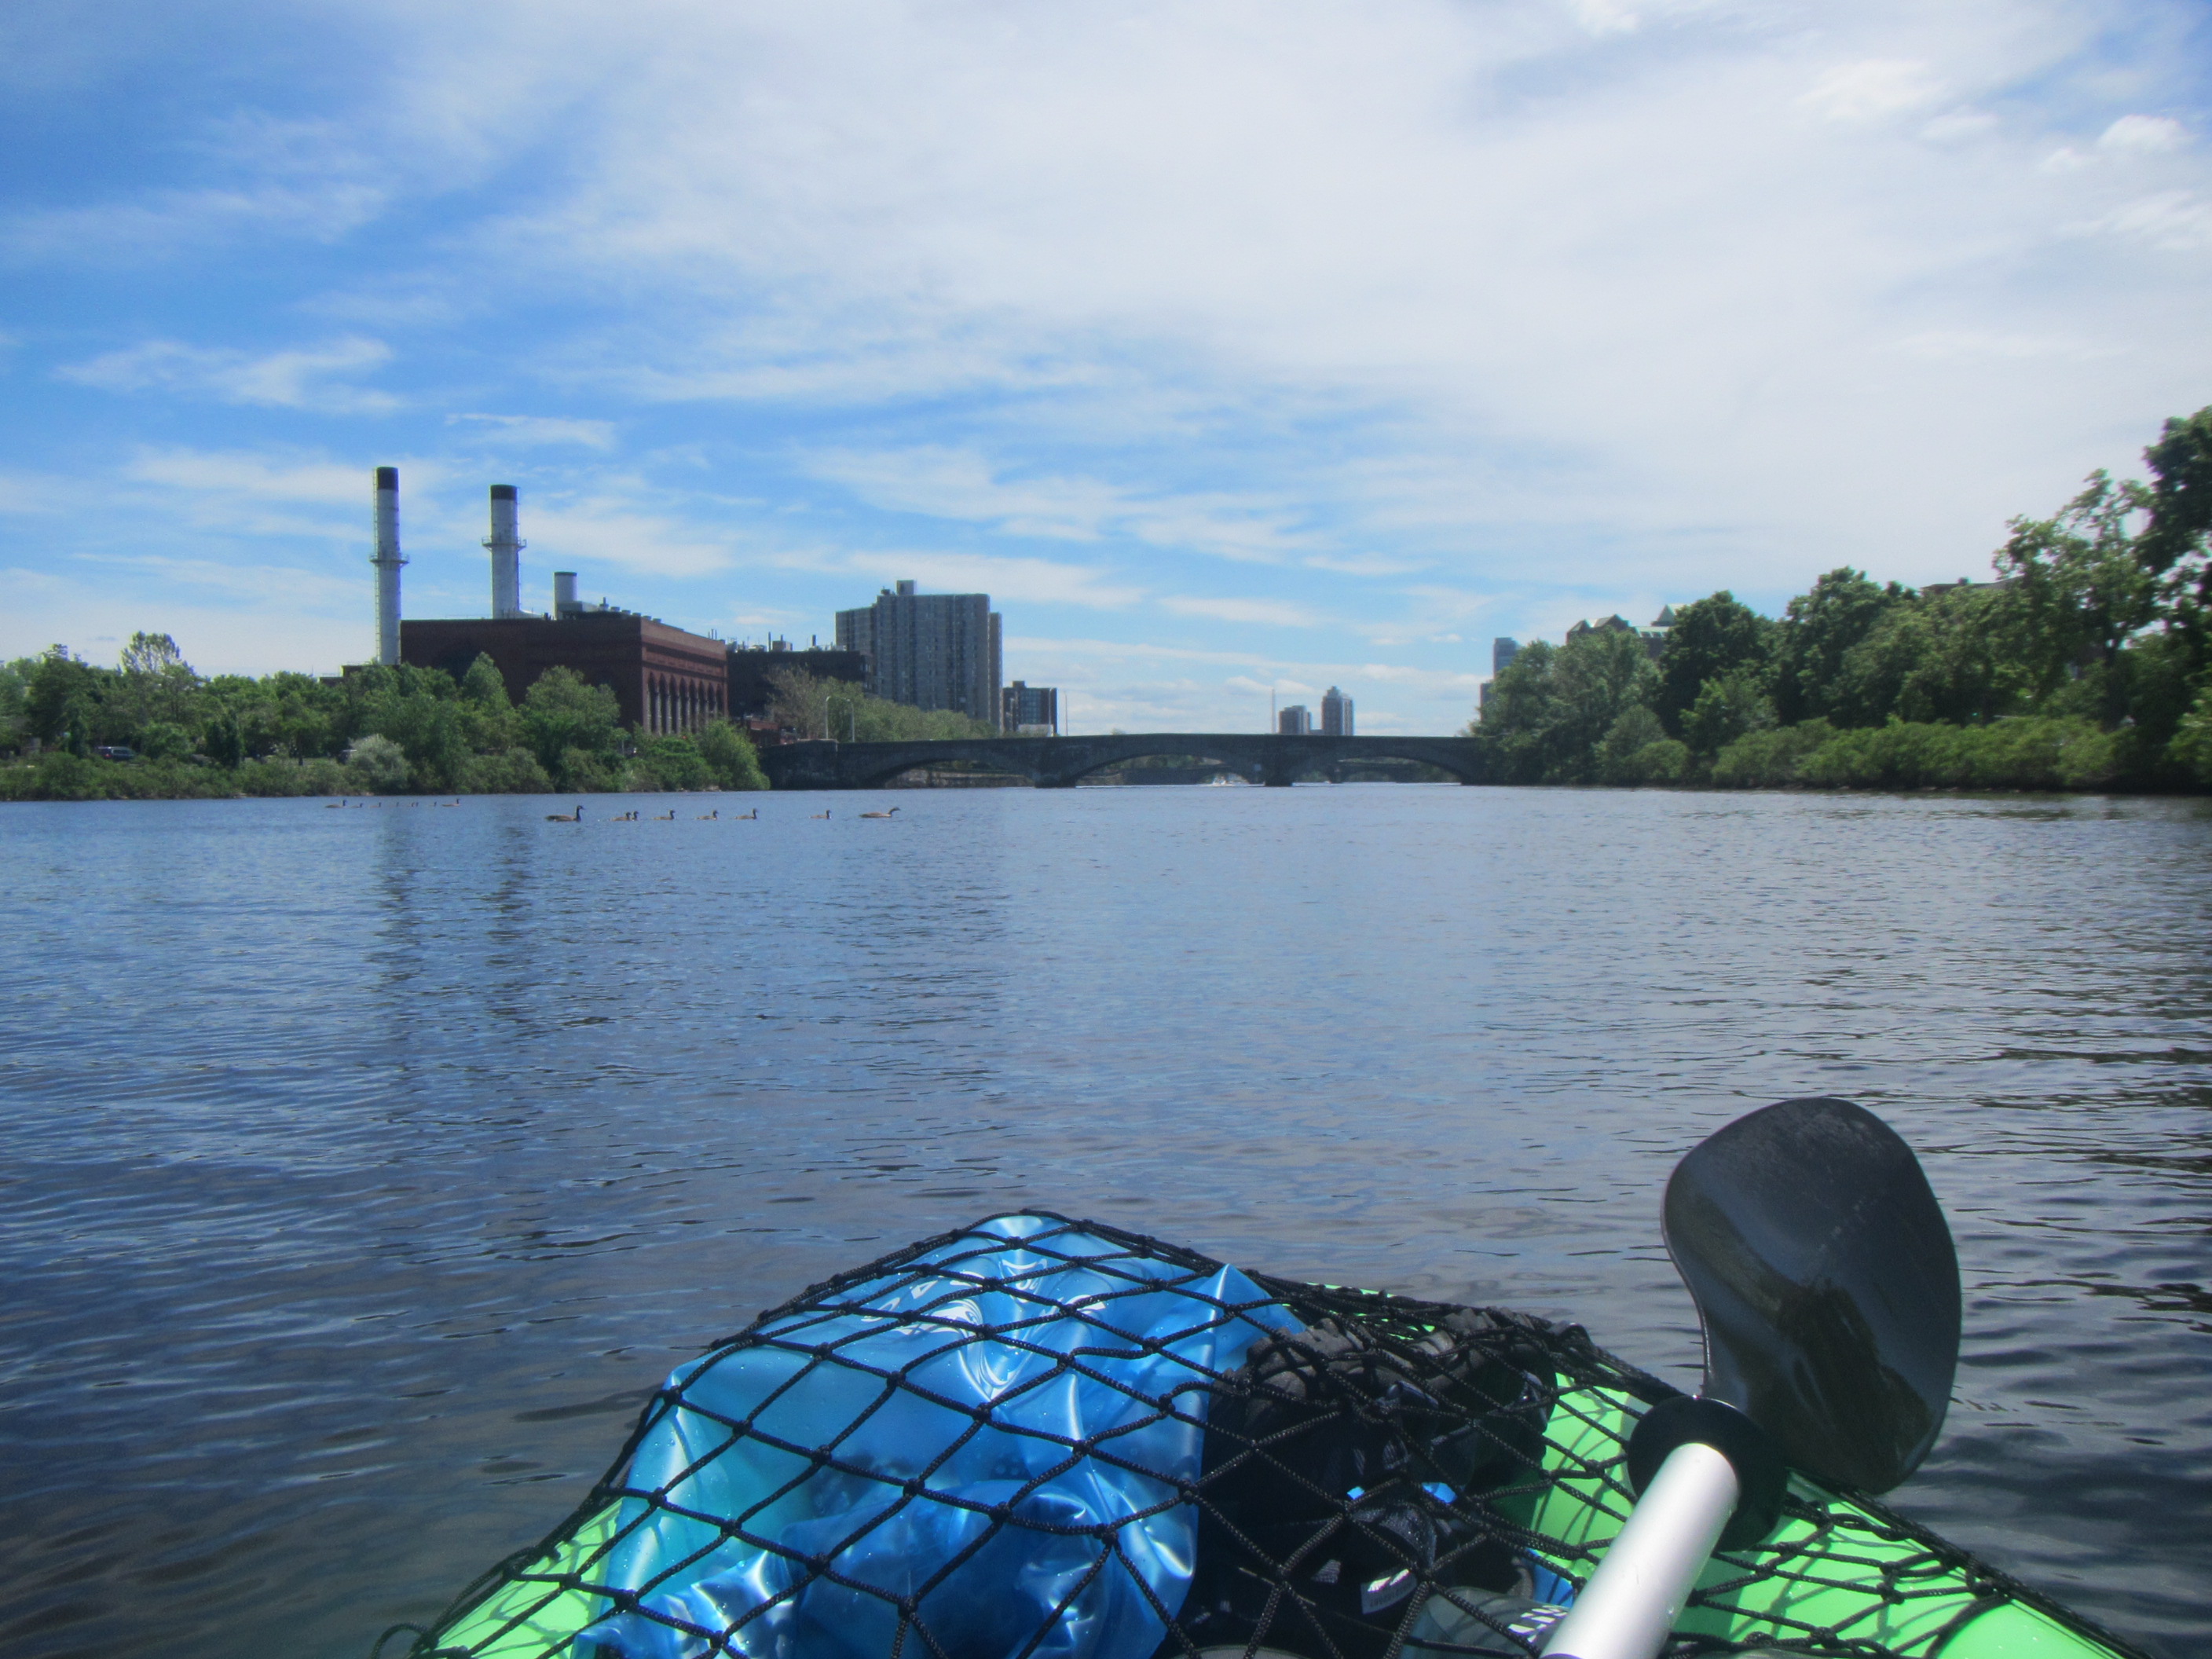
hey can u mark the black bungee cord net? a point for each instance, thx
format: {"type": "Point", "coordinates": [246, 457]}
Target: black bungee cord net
{"type": "Point", "coordinates": [1371, 1485]}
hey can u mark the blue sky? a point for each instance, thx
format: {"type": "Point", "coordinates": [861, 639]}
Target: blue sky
{"type": "Point", "coordinates": [1228, 345]}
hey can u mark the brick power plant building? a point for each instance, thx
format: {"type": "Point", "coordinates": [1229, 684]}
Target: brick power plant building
{"type": "Point", "coordinates": [931, 651]}
{"type": "Point", "coordinates": [665, 679]}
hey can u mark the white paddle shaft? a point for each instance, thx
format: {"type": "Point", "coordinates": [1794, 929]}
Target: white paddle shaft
{"type": "Point", "coordinates": [1633, 1598]}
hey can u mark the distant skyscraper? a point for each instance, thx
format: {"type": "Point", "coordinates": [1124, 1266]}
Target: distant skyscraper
{"type": "Point", "coordinates": [1336, 713]}
{"type": "Point", "coordinates": [1502, 650]}
{"type": "Point", "coordinates": [928, 650]}
{"type": "Point", "coordinates": [1296, 721]}
{"type": "Point", "coordinates": [1033, 710]}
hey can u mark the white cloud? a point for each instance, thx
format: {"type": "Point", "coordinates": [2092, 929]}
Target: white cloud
{"type": "Point", "coordinates": [2175, 221]}
{"type": "Point", "coordinates": [282, 379]}
{"type": "Point", "coordinates": [2141, 134]}
{"type": "Point", "coordinates": [1275, 613]}
{"type": "Point", "coordinates": [1967, 344]}
{"type": "Point", "coordinates": [1871, 89]}
{"type": "Point", "coordinates": [261, 587]}
{"type": "Point", "coordinates": [964, 484]}
{"type": "Point", "coordinates": [162, 222]}
{"type": "Point", "coordinates": [542, 429]}
{"type": "Point", "coordinates": [613, 530]}
{"type": "Point", "coordinates": [257, 476]}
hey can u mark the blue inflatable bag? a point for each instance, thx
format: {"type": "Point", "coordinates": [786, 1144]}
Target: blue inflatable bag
{"type": "Point", "coordinates": [983, 1451]}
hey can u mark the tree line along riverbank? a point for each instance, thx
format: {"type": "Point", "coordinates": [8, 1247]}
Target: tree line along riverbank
{"type": "Point", "coordinates": [2086, 664]}
{"type": "Point", "coordinates": [171, 733]}
{"type": "Point", "coordinates": [153, 728]}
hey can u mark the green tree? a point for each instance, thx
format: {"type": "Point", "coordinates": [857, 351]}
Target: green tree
{"type": "Point", "coordinates": [816, 708]}
{"type": "Point", "coordinates": [2078, 593]}
{"type": "Point", "coordinates": [419, 709]}
{"type": "Point", "coordinates": [571, 726]}
{"type": "Point", "coordinates": [1818, 631]}
{"type": "Point", "coordinates": [1712, 639]}
{"type": "Point", "coordinates": [62, 704]}
{"type": "Point", "coordinates": [2174, 545]}
{"type": "Point", "coordinates": [488, 714]}
{"type": "Point", "coordinates": [1937, 658]}
{"type": "Point", "coordinates": [14, 699]}
{"type": "Point", "coordinates": [1728, 707]}
{"type": "Point", "coordinates": [730, 756]}
{"type": "Point", "coordinates": [379, 765]}
{"type": "Point", "coordinates": [1552, 706]}
{"type": "Point", "coordinates": [156, 685]}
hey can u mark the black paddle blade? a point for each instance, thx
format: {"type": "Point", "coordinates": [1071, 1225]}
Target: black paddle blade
{"type": "Point", "coordinates": [1827, 1284]}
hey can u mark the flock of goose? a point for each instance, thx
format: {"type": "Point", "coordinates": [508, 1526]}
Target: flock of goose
{"type": "Point", "coordinates": [669, 817]}
{"type": "Point", "coordinates": [577, 815]}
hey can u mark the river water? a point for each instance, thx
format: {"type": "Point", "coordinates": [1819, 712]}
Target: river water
{"type": "Point", "coordinates": [360, 1171]}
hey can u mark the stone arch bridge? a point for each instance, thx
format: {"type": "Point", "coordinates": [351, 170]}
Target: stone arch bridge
{"type": "Point", "coordinates": [1059, 762]}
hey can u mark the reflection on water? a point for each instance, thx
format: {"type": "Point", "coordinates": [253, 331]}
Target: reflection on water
{"type": "Point", "coordinates": [362, 1170]}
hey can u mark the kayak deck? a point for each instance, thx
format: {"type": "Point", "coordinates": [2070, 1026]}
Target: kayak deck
{"type": "Point", "coordinates": [1839, 1576]}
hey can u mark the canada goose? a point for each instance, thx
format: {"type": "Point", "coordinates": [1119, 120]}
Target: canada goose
{"type": "Point", "coordinates": [334, 807]}
{"type": "Point", "coordinates": [892, 813]}
{"type": "Point", "coordinates": [751, 815]}
{"type": "Point", "coordinates": [817, 815]}
{"type": "Point", "coordinates": [709, 817]}
{"type": "Point", "coordinates": [566, 818]}
{"type": "Point", "coordinates": [669, 817]}
{"type": "Point", "coordinates": [629, 817]}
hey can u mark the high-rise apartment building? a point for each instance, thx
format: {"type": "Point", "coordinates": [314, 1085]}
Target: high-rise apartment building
{"type": "Point", "coordinates": [1030, 711]}
{"type": "Point", "coordinates": [1296, 721]}
{"type": "Point", "coordinates": [1336, 713]}
{"type": "Point", "coordinates": [928, 650]}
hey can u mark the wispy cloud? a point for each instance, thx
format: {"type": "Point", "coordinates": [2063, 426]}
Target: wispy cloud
{"type": "Point", "coordinates": [1874, 89]}
{"type": "Point", "coordinates": [1019, 580]}
{"type": "Point", "coordinates": [299, 378]}
{"type": "Point", "coordinates": [1273, 613]}
{"type": "Point", "coordinates": [615, 530]}
{"type": "Point", "coordinates": [536, 430]}
{"type": "Point", "coordinates": [964, 484]}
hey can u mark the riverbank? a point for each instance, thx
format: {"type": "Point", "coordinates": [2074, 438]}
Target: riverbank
{"type": "Point", "coordinates": [61, 777]}
{"type": "Point", "coordinates": [2027, 755]}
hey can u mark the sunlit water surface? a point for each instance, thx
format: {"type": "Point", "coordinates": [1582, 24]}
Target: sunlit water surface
{"type": "Point", "coordinates": [363, 1170]}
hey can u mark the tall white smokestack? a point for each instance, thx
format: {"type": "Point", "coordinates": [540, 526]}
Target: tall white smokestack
{"type": "Point", "coordinates": [387, 562]}
{"type": "Point", "coordinates": [506, 554]}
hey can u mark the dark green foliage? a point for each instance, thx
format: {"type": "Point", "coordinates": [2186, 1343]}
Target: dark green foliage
{"type": "Point", "coordinates": [1728, 707]}
{"type": "Point", "coordinates": [2020, 754]}
{"type": "Point", "coordinates": [1769, 759]}
{"type": "Point", "coordinates": [1553, 705]}
{"type": "Point", "coordinates": [380, 729]}
{"type": "Point", "coordinates": [729, 757]}
{"type": "Point", "coordinates": [2180, 496]}
{"type": "Point", "coordinates": [573, 728]}
{"type": "Point", "coordinates": [1817, 632]}
{"type": "Point", "coordinates": [62, 705]}
{"type": "Point", "coordinates": [1711, 640]}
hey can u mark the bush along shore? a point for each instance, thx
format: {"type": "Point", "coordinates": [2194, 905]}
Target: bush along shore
{"type": "Point", "coordinates": [2085, 665]}
{"type": "Point", "coordinates": [151, 728]}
